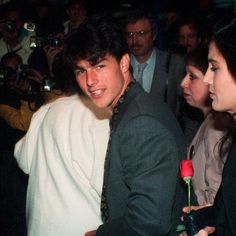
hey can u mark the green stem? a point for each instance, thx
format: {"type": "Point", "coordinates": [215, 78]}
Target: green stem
{"type": "Point", "coordinates": [189, 200]}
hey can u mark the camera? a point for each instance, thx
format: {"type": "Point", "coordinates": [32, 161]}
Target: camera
{"type": "Point", "coordinates": [51, 40]}
{"type": "Point", "coordinates": [24, 71]}
{"type": "Point", "coordinates": [29, 26]}
{"type": "Point", "coordinates": [37, 42]}
{"type": "Point", "coordinates": [47, 85]}
{"type": "Point", "coordinates": [54, 41]}
{"type": "Point", "coordinates": [8, 26]}
{"type": "Point", "coordinates": [5, 74]}
{"type": "Point", "coordinates": [21, 72]}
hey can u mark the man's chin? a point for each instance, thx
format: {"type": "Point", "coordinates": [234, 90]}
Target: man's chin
{"type": "Point", "coordinates": [137, 52]}
{"type": "Point", "coordinates": [99, 103]}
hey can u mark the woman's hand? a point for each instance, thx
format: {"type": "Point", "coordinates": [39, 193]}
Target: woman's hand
{"type": "Point", "coordinates": [195, 208]}
{"type": "Point", "coordinates": [206, 231]}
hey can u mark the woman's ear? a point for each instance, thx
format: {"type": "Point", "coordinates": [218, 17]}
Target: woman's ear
{"type": "Point", "coordinates": [125, 63]}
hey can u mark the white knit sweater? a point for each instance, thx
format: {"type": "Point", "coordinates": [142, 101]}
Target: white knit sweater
{"type": "Point", "coordinates": [63, 152]}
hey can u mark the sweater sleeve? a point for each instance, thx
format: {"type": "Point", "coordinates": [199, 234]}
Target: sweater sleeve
{"type": "Point", "coordinates": [17, 118]}
{"type": "Point", "coordinates": [26, 146]}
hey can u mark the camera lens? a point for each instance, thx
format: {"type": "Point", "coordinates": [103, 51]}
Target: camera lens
{"type": "Point", "coordinates": [10, 26]}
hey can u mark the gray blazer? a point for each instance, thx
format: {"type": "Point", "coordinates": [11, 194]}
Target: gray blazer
{"type": "Point", "coordinates": [143, 191]}
{"type": "Point", "coordinates": [168, 74]}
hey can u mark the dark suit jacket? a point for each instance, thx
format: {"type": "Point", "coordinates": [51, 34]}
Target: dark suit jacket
{"type": "Point", "coordinates": [222, 214]}
{"type": "Point", "coordinates": [168, 74]}
{"type": "Point", "coordinates": [142, 171]}
{"type": "Point", "coordinates": [225, 202]}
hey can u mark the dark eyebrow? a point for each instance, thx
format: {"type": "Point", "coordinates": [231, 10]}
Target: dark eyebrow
{"type": "Point", "coordinates": [78, 68]}
{"type": "Point", "coordinates": [211, 60]}
{"type": "Point", "coordinates": [101, 60]}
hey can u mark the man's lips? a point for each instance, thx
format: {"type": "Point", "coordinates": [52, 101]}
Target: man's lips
{"type": "Point", "coordinates": [95, 93]}
{"type": "Point", "coordinates": [136, 47]}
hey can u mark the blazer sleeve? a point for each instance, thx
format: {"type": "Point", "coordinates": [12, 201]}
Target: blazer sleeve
{"type": "Point", "coordinates": [149, 157]}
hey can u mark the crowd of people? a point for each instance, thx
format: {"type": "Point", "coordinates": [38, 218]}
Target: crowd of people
{"type": "Point", "coordinates": [97, 113]}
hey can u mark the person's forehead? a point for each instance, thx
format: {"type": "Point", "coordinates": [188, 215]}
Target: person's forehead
{"type": "Point", "coordinates": [187, 28]}
{"type": "Point", "coordinates": [12, 64]}
{"type": "Point", "coordinates": [214, 53]}
{"type": "Point", "coordinates": [140, 24]}
{"type": "Point", "coordinates": [194, 69]}
{"type": "Point", "coordinates": [75, 5]}
{"type": "Point", "coordinates": [87, 62]}
{"type": "Point", "coordinates": [14, 15]}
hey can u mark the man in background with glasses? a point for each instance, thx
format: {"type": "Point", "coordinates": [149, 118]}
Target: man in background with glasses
{"type": "Point", "coordinates": [157, 71]}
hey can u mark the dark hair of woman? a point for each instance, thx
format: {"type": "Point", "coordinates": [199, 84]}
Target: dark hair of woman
{"type": "Point", "coordinates": [224, 40]}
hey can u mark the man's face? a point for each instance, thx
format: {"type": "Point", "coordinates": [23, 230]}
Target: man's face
{"type": "Point", "coordinates": [11, 36]}
{"type": "Point", "coordinates": [140, 38]}
{"type": "Point", "coordinates": [105, 81]}
{"type": "Point", "coordinates": [76, 12]}
{"type": "Point", "coordinates": [13, 82]}
{"type": "Point", "coordinates": [188, 38]}
{"type": "Point", "coordinates": [12, 64]}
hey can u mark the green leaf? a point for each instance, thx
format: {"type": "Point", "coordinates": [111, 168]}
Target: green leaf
{"type": "Point", "coordinates": [180, 228]}
{"type": "Point", "coordinates": [187, 180]}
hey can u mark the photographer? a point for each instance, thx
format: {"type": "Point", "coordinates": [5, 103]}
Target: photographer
{"type": "Point", "coordinates": [13, 181]}
{"type": "Point", "coordinates": [28, 86]}
{"type": "Point", "coordinates": [23, 90]}
{"type": "Point", "coordinates": [12, 92]}
{"type": "Point", "coordinates": [47, 57]}
{"type": "Point", "coordinates": [47, 48]}
{"type": "Point", "coordinates": [15, 38]}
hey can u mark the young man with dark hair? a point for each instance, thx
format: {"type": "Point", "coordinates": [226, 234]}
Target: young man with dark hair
{"type": "Point", "coordinates": [140, 193]}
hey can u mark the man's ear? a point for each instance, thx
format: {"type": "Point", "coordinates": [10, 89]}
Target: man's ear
{"type": "Point", "coordinates": [125, 63]}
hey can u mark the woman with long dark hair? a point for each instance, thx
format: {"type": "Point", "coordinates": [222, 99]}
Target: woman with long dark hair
{"type": "Point", "coordinates": [221, 77]}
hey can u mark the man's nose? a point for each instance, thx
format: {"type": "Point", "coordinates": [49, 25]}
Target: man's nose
{"type": "Point", "coordinates": [135, 38]}
{"type": "Point", "coordinates": [185, 41]}
{"type": "Point", "coordinates": [91, 78]}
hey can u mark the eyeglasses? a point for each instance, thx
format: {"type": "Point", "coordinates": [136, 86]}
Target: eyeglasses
{"type": "Point", "coordinates": [187, 36]}
{"type": "Point", "coordinates": [139, 34]}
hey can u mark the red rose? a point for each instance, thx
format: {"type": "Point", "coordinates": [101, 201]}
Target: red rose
{"type": "Point", "coordinates": [186, 168]}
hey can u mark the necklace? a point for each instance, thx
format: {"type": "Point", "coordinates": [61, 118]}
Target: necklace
{"type": "Point", "coordinates": [120, 101]}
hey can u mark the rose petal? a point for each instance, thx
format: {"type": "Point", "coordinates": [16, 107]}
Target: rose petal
{"type": "Point", "coordinates": [186, 168]}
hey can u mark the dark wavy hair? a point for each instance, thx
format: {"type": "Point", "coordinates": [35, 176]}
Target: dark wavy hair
{"type": "Point", "coordinates": [98, 36]}
{"type": "Point", "coordinates": [198, 58]}
{"type": "Point", "coordinates": [225, 41]}
{"type": "Point", "coordinates": [134, 15]}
